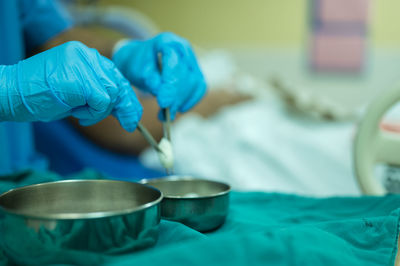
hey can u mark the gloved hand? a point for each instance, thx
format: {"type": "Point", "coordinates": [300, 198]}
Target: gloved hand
{"type": "Point", "coordinates": [179, 85]}
{"type": "Point", "coordinates": [70, 79]}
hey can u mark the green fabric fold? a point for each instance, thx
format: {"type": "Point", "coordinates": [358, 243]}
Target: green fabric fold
{"type": "Point", "coordinates": [261, 229]}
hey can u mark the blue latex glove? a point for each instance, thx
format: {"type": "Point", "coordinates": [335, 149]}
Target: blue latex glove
{"type": "Point", "coordinates": [179, 85]}
{"type": "Point", "coordinates": [70, 79]}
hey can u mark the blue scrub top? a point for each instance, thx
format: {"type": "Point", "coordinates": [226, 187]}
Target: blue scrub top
{"type": "Point", "coordinates": [24, 25]}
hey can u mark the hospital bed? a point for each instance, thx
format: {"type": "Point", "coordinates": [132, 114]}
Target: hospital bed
{"type": "Point", "coordinates": [376, 145]}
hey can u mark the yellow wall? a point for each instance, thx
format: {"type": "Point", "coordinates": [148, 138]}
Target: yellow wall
{"type": "Point", "coordinates": [254, 23]}
{"type": "Point", "coordinates": [385, 23]}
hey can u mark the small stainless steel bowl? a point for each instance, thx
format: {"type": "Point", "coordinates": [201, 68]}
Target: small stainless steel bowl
{"type": "Point", "coordinates": [95, 215]}
{"type": "Point", "coordinates": [198, 203]}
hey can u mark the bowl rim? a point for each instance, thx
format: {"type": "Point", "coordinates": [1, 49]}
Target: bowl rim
{"type": "Point", "coordinates": [79, 216]}
{"type": "Point", "coordinates": [174, 178]}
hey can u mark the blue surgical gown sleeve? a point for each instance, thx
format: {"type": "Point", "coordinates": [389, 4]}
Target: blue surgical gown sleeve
{"type": "Point", "coordinates": [24, 24]}
{"type": "Point", "coordinates": [41, 20]}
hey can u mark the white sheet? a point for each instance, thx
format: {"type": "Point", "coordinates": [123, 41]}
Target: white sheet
{"type": "Point", "coordinates": [259, 146]}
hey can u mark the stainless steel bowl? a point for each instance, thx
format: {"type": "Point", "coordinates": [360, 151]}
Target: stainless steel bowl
{"type": "Point", "coordinates": [198, 203]}
{"type": "Point", "coordinates": [97, 215]}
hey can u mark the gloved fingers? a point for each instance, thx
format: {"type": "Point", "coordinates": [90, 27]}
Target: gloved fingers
{"type": "Point", "coordinates": [127, 109]}
{"type": "Point", "coordinates": [119, 107]}
{"type": "Point", "coordinates": [172, 73]}
{"type": "Point", "coordinates": [188, 91]}
{"type": "Point", "coordinates": [78, 86]}
{"type": "Point", "coordinates": [53, 117]}
{"type": "Point", "coordinates": [179, 62]}
{"type": "Point", "coordinates": [97, 105]}
{"type": "Point", "coordinates": [152, 78]}
{"type": "Point", "coordinates": [171, 64]}
{"type": "Point", "coordinates": [98, 102]}
{"type": "Point", "coordinates": [110, 77]}
{"type": "Point", "coordinates": [97, 85]}
{"type": "Point", "coordinates": [132, 51]}
{"type": "Point", "coordinates": [121, 97]}
{"type": "Point", "coordinates": [87, 116]}
{"type": "Point", "coordinates": [191, 59]}
{"type": "Point", "coordinates": [128, 112]}
{"type": "Point", "coordinates": [167, 95]}
{"type": "Point", "coordinates": [183, 94]}
{"type": "Point", "coordinates": [195, 97]}
{"type": "Point", "coordinates": [191, 91]}
{"type": "Point", "coordinates": [138, 62]}
{"type": "Point", "coordinates": [185, 89]}
{"type": "Point", "coordinates": [182, 46]}
{"type": "Point", "coordinates": [103, 95]}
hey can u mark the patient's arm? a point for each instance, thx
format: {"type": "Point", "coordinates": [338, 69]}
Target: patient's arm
{"type": "Point", "coordinates": [101, 38]}
{"type": "Point", "coordinates": [109, 134]}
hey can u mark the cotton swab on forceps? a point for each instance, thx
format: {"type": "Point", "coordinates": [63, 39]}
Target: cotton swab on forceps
{"type": "Point", "coordinates": [164, 148]}
{"type": "Point", "coordinates": [168, 159]}
{"type": "Point", "coordinates": [166, 144]}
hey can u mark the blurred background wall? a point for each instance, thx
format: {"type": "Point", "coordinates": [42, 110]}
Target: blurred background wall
{"type": "Point", "coordinates": [255, 23]}
{"type": "Point", "coordinates": [271, 40]}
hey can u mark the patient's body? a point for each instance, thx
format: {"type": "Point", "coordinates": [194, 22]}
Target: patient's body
{"type": "Point", "coordinates": [109, 134]}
